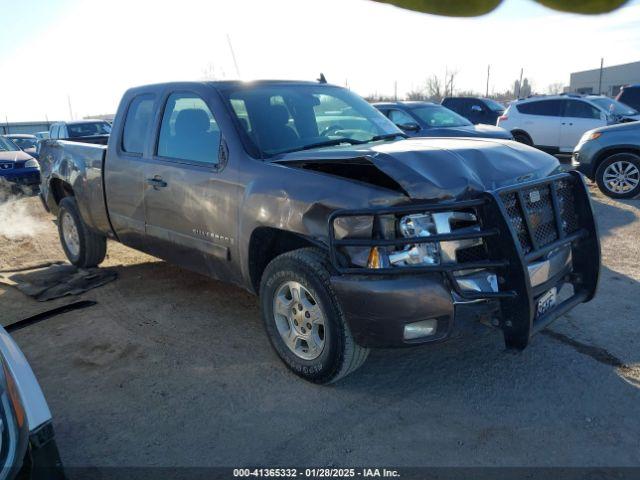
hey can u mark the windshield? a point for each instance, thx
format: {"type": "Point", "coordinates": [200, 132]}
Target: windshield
{"type": "Point", "coordinates": [613, 106]}
{"type": "Point", "coordinates": [493, 105]}
{"type": "Point", "coordinates": [285, 118]}
{"type": "Point", "coordinates": [23, 142]}
{"type": "Point", "coordinates": [438, 116]}
{"type": "Point", "coordinates": [88, 129]}
{"type": "Point", "coordinates": [7, 145]}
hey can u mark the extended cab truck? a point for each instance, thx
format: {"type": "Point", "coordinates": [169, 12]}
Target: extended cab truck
{"type": "Point", "coordinates": [354, 236]}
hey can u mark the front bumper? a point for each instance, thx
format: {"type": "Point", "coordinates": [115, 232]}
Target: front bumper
{"type": "Point", "coordinates": [18, 178]}
{"type": "Point", "coordinates": [524, 234]}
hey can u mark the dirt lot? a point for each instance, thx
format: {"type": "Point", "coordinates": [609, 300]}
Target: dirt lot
{"type": "Point", "coordinates": [171, 368]}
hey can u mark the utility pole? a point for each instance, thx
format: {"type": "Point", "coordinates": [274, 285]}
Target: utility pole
{"type": "Point", "coordinates": [488, 72]}
{"type": "Point", "coordinates": [395, 91]}
{"type": "Point", "coordinates": [233, 55]}
{"type": "Point", "coordinates": [70, 110]}
{"type": "Point", "coordinates": [600, 80]}
{"type": "Point", "coordinates": [6, 121]}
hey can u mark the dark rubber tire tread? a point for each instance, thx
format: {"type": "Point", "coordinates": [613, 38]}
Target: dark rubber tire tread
{"type": "Point", "coordinates": [311, 267]}
{"type": "Point", "coordinates": [93, 246]}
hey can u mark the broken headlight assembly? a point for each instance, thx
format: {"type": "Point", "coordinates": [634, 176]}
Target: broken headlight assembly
{"type": "Point", "coordinates": [424, 253]}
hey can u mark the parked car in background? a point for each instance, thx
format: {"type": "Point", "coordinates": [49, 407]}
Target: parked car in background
{"type": "Point", "coordinates": [354, 236]}
{"type": "Point", "coordinates": [611, 156]}
{"type": "Point", "coordinates": [556, 123]}
{"type": "Point", "coordinates": [42, 135]}
{"type": "Point", "coordinates": [426, 119]}
{"type": "Point", "coordinates": [475, 109]}
{"type": "Point", "coordinates": [29, 450]}
{"type": "Point", "coordinates": [630, 95]}
{"type": "Point", "coordinates": [79, 129]}
{"type": "Point", "coordinates": [27, 143]}
{"type": "Point", "coordinates": [19, 171]}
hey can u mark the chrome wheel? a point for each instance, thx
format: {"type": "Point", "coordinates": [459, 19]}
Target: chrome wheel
{"type": "Point", "coordinates": [299, 320]}
{"type": "Point", "coordinates": [70, 234]}
{"type": "Point", "coordinates": [621, 177]}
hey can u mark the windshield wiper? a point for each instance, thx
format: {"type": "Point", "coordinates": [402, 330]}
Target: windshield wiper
{"type": "Point", "coordinates": [387, 136]}
{"type": "Point", "coordinates": [326, 143]}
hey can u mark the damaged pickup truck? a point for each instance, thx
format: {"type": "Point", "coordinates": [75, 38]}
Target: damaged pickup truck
{"type": "Point", "coordinates": [354, 236]}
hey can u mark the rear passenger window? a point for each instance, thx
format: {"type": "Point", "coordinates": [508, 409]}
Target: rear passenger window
{"type": "Point", "coordinates": [578, 109]}
{"type": "Point", "coordinates": [189, 131]}
{"type": "Point", "coordinates": [136, 123]}
{"type": "Point", "coordinates": [547, 108]}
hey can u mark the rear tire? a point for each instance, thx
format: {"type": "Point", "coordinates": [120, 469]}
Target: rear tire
{"type": "Point", "coordinates": [522, 137]}
{"type": "Point", "coordinates": [618, 176]}
{"type": "Point", "coordinates": [83, 247]}
{"type": "Point", "coordinates": [324, 353]}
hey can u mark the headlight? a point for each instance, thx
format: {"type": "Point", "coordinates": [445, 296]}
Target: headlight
{"type": "Point", "coordinates": [31, 163]}
{"type": "Point", "coordinates": [590, 136]}
{"type": "Point", "coordinates": [417, 225]}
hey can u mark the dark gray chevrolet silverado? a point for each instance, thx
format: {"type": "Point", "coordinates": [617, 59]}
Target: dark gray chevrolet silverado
{"type": "Point", "coordinates": [354, 236]}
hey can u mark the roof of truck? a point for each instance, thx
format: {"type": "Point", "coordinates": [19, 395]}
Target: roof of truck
{"type": "Point", "coordinates": [223, 84]}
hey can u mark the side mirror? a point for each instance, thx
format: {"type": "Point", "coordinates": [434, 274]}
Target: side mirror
{"type": "Point", "coordinates": [476, 109]}
{"type": "Point", "coordinates": [408, 127]}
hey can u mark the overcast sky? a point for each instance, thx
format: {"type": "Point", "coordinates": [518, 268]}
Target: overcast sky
{"type": "Point", "coordinates": [92, 51]}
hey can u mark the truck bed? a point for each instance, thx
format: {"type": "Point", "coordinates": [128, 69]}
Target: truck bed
{"type": "Point", "coordinates": [78, 164]}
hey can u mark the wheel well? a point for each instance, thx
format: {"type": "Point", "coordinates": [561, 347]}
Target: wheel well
{"type": "Point", "coordinates": [521, 132]}
{"type": "Point", "coordinates": [60, 189]}
{"type": "Point", "coordinates": [602, 156]}
{"type": "Point", "coordinates": [266, 244]}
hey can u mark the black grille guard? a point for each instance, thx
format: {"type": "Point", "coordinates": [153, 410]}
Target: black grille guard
{"type": "Point", "coordinates": [510, 250]}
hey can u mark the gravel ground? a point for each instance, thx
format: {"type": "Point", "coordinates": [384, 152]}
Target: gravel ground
{"type": "Point", "coordinates": [171, 368]}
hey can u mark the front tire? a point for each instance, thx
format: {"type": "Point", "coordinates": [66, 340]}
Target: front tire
{"type": "Point", "coordinates": [522, 137]}
{"type": "Point", "coordinates": [303, 319]}
{"type": "Point", "coordinates": [618, 176]}
{"type": "Point", "coordinates": [83, 247]}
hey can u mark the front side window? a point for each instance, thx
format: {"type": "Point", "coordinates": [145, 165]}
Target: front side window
{"type": "Point", "coordinates": [136, 123]}
{"type": "Point", "coordinates": [189, 131]}
{"type": "Point", "coordinates": [437, 116]}
{"type": "Point", "coordinates": [547, 108]}
{"type": "Point", "coordinates": [400, 118]}
{"type": "Point", "coordinates": [284, 118]}
{"type": "Point", "coordinates": [579, 109]}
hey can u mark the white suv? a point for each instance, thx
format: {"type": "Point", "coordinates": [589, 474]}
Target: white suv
{"type": "Point", "coordinates": [555, 123]}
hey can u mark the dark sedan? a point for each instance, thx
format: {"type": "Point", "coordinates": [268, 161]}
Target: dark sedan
{"type": "Point", "coordinates": [19, 171]}
{"type": "Point", "coordinates": [426, 119]}
{"type": "Point", "coordinates": [611, 156]}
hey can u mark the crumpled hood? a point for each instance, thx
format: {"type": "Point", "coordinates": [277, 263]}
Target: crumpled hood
{"type": "Point", "coordinates": [480, 130]}
{"type": "Point", "coordinates": [441, 168]}
{"type": "Point", "coordinates": [14, 156]}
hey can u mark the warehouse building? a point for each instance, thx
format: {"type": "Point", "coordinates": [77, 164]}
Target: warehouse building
{"type": "Point", "coordinates": [23, 127]}
{"type": "Point", "coordinates": [613, 78]}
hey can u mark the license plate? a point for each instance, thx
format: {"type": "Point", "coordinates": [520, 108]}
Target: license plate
{"type": "Point", "coordinates": [547, 301]}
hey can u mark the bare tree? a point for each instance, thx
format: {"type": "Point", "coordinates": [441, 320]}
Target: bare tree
{"type": "Point", "coordinates": [209, 72]}
{"type": "Point", "coordinates": [555, 88]}
{"type": "Point", "coordinates": [417, 94]}
{"type": "Point", "coordinates": [434, 88]}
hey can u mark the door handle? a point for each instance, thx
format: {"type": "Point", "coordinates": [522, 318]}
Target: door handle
{"type": "Point", "coordinates": [156, 182]}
